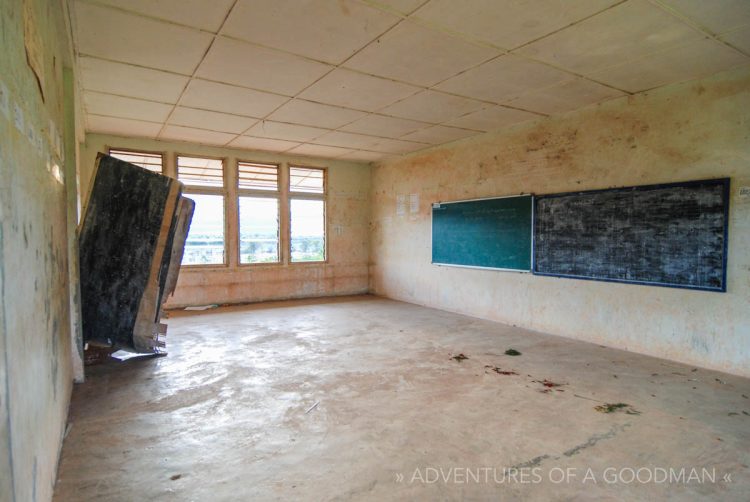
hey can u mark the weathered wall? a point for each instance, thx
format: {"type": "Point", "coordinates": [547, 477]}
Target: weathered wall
{"type": "Point", "coordinates": [347, 209]}
{"type": "Point", "coordinates": [35, 371]}
{"type": "Point", "coordinates": [694, 130]}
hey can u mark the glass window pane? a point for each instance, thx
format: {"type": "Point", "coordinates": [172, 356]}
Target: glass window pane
{"type": "Point", "coordinates": [257, 176]}
{"type": "Point", "coordinates": [205, 240]}
{"type": "Point", "coordinates": [259, 230]}
{"type": "Point", "coordinates": [306, 179]}
{"type": "Point", "coordinates": [200, 172]}
{"type": "Point", "coordinates": [308, 230]}
{"type": "Point", "coordinates": [151, 161]}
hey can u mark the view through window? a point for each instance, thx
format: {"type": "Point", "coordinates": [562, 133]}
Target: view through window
{"type": "Point", "coordinates": [205, 240]}
{"type": "Point", "coordinates": [259, 230]}
{"type": "Point", "coordinates": [258, 187]}
{"type": "Point", "coordinates": [308, 230]}
{"type": "Point", "coordinates": [307, 212]}
{"type": "Point", "coordinates": [204, 183]}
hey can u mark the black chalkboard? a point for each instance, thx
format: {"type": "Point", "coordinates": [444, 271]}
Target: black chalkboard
{"type": "Point", "coordinates": [667, 235]}
{"type": "Point", "coordinates": [486, 233]}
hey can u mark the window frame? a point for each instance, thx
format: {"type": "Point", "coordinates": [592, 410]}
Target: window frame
{"type": "Point", "coordinates": [163, 156]}
{"type": "Point", "coordinates": [291, 195]}
{"type": "Point", "coordinates": [265, 194]}
{"type": "Point", "coordinates": [203, 190]}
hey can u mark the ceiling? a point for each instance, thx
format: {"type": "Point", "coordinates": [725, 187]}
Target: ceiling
{"type": "Point", "coordinates": [366, 80]}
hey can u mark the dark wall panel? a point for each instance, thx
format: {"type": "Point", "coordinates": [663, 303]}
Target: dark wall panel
{"type": "Point", "coordinates": [669, 235]}
{"type": "Point", "coordinates": [119, 239]}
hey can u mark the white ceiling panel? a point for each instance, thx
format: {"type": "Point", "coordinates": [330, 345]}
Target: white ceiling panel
{"type": "Point", "coordinates": [267, 144]}
{"type": "Point", "coordinates": [204, 119]}
{"type": "Point", "coordinates": [739, 38]}
{"type": "Point", "coordinates": [112, 34]}
{"type": "Point", "coordinates": [192, 135]}
{"type": "Point", "coordinates": [128, 80]}
{"type": "Point", "coordinates": [320, 150]}
{"type": "Point", "coordinates": [439, 134]}
{"type": "Point", "coordinates": [402, 7]}
{"type": "Point", "coordinates": [575, 93]}
{"type": "Point", "coordinates": [493, 117]}
{"type": "Point", "coordinates": [248, 65]}
{"type": "Point", "coordinates": [347, 140]}
{"type": "Point", "coordinates": [299, 111]}
{"type": "Point", "coordinates": [508, 24]}
{"type": "Point", "coordinates": [121, 127]}
{"type": "Point", "coordinates": [230, 99]}
{"type": "Point", "coordinates": [418, 55]}
{"type": "Point", "coordinates": [719, 16]}
{"type": "Point", "coordinates": [502, 79]}
{"type": "Point", "coordinates": [396, 146]}
{"type": "Point", "coordinates": [432, 106]}
{"type": "Point", "coordinates": [364, 156]}
{"type": "Point", "coordinates": [196, 13]}
{"type": "Point", "coordinates": [280, 130]}
{"type": "Point", "coordinates": [320, 29]}
{"type": "Point", "coordinates": [355, 90]}
{"type": "Point", "coordinates": [628, 31]}
{"type": "Point", "coordinates": [380, 125]}
{"type": "Point", "coordinates": [413, 73]}
{"type": "Point", "coordinates": [696, 59]}
{"type": "Point", "coordinates": [127, 108]}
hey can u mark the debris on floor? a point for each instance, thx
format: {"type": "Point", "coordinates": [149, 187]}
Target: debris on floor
{"type": "Point", "coordinates": [123, 355]}
{"type": "Point", "coordinates": [512, 352]}
{"type": "Point", "coordinates": [500, 371]}
{"type": "Point", "coordinates": [312, 407]}
{"type": "Point", "coordinates": [614, 407]}
{"type": "Point", "coordinates": [94, 354]}
{"type": "Point", "coordinates": [175, 477]}
{"type": "Point", "coordinates": [459, 357]}
{"type": "Point", "coordinates": [201, 307]}
{"type": "Point", "coordinates": [550, 385]}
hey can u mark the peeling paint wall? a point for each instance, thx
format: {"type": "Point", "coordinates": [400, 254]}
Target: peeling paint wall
{"type": "Point", "coordinates": [36, 370]}
{"type": "Point", "coordinates": [347, 211]}
{"type": "Point", "coordinates": [693, 130]}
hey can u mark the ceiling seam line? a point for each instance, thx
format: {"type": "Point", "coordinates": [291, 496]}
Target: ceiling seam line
{"type": "Point", "coordinates": [190, 80]}
{"type": "Point", "coordinates": [697, 26]}
{"type": "Point", "coordinates": [338, 66]}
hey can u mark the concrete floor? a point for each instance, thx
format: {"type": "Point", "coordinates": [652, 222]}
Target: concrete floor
{"type": "Point", "coordinates": [230, 414]}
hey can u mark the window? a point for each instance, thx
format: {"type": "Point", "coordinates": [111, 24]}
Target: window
{"type": "Point", "coordinates": [258, 176]}
{"type": "Point", "coordinates": [197, 172]}
{"type": "Point", "coordinates": [307, 214]}
{"type": "Point", "coordinates": [205, 240]}
{"type": "Point", "coordinates": [204, 183]}
{"type": "Point", "coordinates": [308, 230]}
{"type": "Point", "coordinates": [151, 161]}
{"type": "Point", "coordinates": [306, 180]}
{"type": "Point", "coordinates": [258, 187]}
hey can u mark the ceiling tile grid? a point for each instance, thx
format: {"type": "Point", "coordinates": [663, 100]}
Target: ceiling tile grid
{"type": "Point", "coordinates": [192, 13]}
{"type": "Point", "coordinates": [118, 36]}
{"type": "Point", "coordinates": [216, 121]}
{"type": "Point", "coordinates": [418, 55]}
{"type": "Point", "coordinates": [368, 79]}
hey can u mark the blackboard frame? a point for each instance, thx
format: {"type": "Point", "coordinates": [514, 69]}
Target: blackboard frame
{"type": "Point", "coordinates": [478, 267]}
{"type": "Point", "coordinates": [725, 182]}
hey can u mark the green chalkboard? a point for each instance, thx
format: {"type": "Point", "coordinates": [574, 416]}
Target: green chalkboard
{"type": "Point", "coordinates": [487, 233]}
